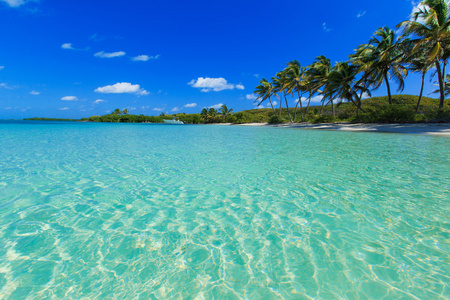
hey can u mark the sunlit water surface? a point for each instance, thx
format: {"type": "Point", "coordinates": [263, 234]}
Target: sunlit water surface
{"type": "Point", "coordinates": [145, 211]}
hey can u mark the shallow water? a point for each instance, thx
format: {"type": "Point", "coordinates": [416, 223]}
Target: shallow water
{"type": "Point", "coordinates": [201, 212]}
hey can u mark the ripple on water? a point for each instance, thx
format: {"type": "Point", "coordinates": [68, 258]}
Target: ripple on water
{"type": "Point", "coordinates": [222, 212]}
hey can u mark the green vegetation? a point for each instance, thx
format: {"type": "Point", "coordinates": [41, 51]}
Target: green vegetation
{"type": "Point", "coordinates": [50, 119]}
{"type": "Point", "coordinates": [376, 110]}
{"type": "Point", "coordinates": [424, 43]}
{"type": "Point", "coordinates": [116, 118]}
{"type": "Point", "coordinates": [402, 109]}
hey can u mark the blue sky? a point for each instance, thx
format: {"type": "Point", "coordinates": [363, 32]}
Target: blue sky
{"type": "Point", "coordinates": [80, 58]}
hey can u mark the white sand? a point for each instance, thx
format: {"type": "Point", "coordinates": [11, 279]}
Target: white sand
{"type": "Point", "coordinates": [428, 129]}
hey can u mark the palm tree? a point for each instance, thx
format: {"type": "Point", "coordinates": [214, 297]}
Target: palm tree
{"type": "Point", "coordinates": [279, 86]}
{"type": "Point", "coordinates": [430, 28]}
{"type": "Point", "coordinates": [294, 83]}
{"type": "Point", "coordinates": [263, 92]}
{"type": "Point", "coordinates": [212, 112]}
{"type": "Point", "coordinates": [317, 76]}
{"type": "Point", "coordinates": [225, 112]}
{"type": "Point", "coordinates": [342, 84]}
{"type": "Point", "coordinates": [205, 114]}
{"type": "Point", "coordinates": [117, 112]}
{"type": "Point", "coordinates": [418, 63]}
{"type": "Point", "coordinates": [382, 59]}
{"type": "Point", "coordinates": [125, 111]}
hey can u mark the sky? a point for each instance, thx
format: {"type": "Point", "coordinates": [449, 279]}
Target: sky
{"type": "Point", "coordinates": [74, 59]}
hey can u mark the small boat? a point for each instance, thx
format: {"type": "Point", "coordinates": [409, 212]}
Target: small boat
{"type": "Point", "coordinates": [173, 122]}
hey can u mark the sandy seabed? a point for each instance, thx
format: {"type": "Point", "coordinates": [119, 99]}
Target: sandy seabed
{"type": "Point", "coordinates": [438, 129]}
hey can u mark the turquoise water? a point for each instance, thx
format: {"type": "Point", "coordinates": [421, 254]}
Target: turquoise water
{"type": "Point", "coordinates": [117, 211]}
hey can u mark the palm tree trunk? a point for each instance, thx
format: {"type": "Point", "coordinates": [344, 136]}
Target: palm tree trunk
{"type": "Point", "coordinates": [388, 88]}
{"type": "Point", "coordinates": [323, 104]}
{"type": "Point", "coordinates": [295, 111]}
{"type": "Point", "coordinates": [281, 102]}
{"type": "Point", "coordinates": [301, 108]}
{"type": "Point", "coordinates": [273, 108]}
{"type": "Point", "coordinates": [421, 91]}
{"type": "Point", "coordinates": [358, 106]}
{"type": "Point", "coordinates": [443, 74]}
{"type": "Point", "coordinates": [441, 83]}
{"type": "Point", "coordinates": [287, 107]}
{"type": "Point", "coordinates": [309, 101]}
{"type": "Point", "coordinates": [332, 107]}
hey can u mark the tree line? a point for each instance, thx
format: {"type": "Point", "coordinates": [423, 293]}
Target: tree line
{"type": "Point", "coordinates": [208, 115]}
{"type": "Point", "coordinates": [422, 46]}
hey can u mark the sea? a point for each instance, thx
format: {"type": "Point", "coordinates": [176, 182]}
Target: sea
{"type": "Point", "coordinates": [150, 211]}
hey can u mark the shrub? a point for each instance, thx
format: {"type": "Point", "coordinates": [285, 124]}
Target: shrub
{"type": "Point", "coordinates": [274, 120]}
{"type": "Point", "coordinates": [243, 117]}
{"type": "Point", "coordinates": [231, 119]}
{"type": "Point", "coordinates": [324, 119]}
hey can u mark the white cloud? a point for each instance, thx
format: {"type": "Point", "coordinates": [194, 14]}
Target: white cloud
{"type": "Point", "coordinates": [251, 97]}
{"type": "Point", "coordinates": [67, 46]}
{"type": "Point", "coordinates": [109, 55]}
{"type": "Point", "coordinates": [365, 96]}
{"type": "Point", "coordinates": [98, 101]}
{"type": "Point", "coordinates": [325, 28]}
{"type": "Point", "coordinates": [145, 107]}
{"type": "Point", "coordinates": [274, 103]}
{"type": "Point", "coordinates": [256, 75]}
{"type": "Point", "coordinates": [214, 84]}
{"type": "Point", "coordinates": [315, 99]}
{"type": "Point", "coordinates": [175, 109]}
{"type": "Point", "coordinates": [158, 109]}
{"type": "Point", "coordinates": [14, 3]}
{"type": "Point", "coordinates": [35, 93]}
{"type": "Point", "coordinates": [216, 106]}
{"type": "Point", "coordinates": [360, 14]}
{"type": "Point", "coordinates": [122, 88]}
{"type": "Point", "coordinates": [64, 108]}
{"type": "Point", "coordinates": [6, 86]}
{"type": "Point", "coordinates": [69, 98]}
{"type": "Point", "coordinates": [145, 57]}
{"type": "Point", "coordinates": [2, 67]}
{"type": "Point", "coordinates": [190, 105]}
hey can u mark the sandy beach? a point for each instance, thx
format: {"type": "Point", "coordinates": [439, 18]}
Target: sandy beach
{"type": "Point", "coordinates": [436, 129]}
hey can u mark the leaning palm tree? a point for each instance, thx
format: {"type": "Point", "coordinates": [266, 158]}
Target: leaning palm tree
{"type": "Point", "coordinates": [294, 83]}
{"type": "Point", "coordinates": [279, 86]}
{"type": "Point", "coordinates": [418, 63]}
{"type": "Point", "coordinates": [382, 59]}
{"type": "Point", "coordinates": [343, 85]}
{"type": "Point", "coordinates": [317, 76]}
{"type": "Point", "coordinates": [263, 92]}
{"type": "Point", "coordinates": [430, 27]}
